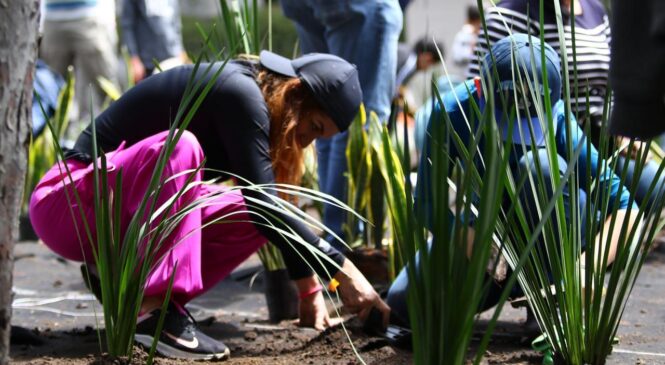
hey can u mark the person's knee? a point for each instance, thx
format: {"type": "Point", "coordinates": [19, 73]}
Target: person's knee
{"type": "Point", "coordinates": [390, 17]}
{"type": "Point", "coordinates": [188, 148]}
{"type": "Point", "coordinates": [537, 164]}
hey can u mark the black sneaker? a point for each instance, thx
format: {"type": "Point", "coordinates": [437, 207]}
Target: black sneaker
{"type": "Point", "coordinates": [93, 283]}
{"type": "Point", "coordinates": [180, 338]}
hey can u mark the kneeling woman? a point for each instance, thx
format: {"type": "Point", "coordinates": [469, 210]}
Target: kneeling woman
{"type": "Point", "coordinates": [510, 61]}
{"type": "Point", "coordinates": [254, 123]}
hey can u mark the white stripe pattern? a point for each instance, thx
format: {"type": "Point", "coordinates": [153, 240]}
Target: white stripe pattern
{"type": "Point", "coordinates": [592, 53]}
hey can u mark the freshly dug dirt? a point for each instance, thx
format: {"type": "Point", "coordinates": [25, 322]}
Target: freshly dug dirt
{"type": "Point", "coordinates": [254, 342]}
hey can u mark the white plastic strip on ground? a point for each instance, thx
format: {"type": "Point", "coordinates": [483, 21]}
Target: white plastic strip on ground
{"type": "Point", "coordinates": [620, 351]}
{"type": "Point", "coordinates": [58, 311]}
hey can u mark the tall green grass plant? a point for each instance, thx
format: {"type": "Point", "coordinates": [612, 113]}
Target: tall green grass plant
{"type": "Point", "coordinates": [447, 286]}
{"type": "Point", "coordinates": [41, 153]}
{"type": "Point", "coordinates": [577, 302]}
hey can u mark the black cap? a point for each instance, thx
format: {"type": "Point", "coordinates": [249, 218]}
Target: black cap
{"type": "Point", "coordinates": [333, 82]}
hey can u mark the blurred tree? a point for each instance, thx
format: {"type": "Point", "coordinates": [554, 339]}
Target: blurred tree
{"type": "Point", "coordinates": [18, 54]}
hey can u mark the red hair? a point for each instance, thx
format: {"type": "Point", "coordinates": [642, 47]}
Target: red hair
{"type": "Point", "coordinates": [288, 103]}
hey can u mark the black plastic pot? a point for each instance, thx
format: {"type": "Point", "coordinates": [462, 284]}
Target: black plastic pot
{"type": "Point", "coordinates": [25, 230]}
{"type": "Point", "coordinates": [281, 296]}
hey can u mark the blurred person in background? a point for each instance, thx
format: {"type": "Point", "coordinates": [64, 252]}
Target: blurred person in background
{"type": "Point", "coordinates": [78, 33]}
{"type": "Point", "coordinates": [420, 57]}
{"type": "Point", "coordinates": [365, 33]}
{"type": "Point", "coordinates": [464, 42]}
{"type": "Point", "coordinates": [588, 77]}
{"type": "Point", "coordinates": [152, 33]}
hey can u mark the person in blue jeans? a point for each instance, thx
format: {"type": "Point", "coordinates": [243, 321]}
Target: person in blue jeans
{"type": "Point", "coordinates": [364, 33]}
{"type": "Point", "coordinates": [525, 149]}
{"type": "Point", "coordinates": [47, 85]}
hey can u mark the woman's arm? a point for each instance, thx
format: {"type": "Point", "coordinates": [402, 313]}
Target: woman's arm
{"type": "Point", "coordinates": [243, 130]}
{"type": "Point", "coordinates": [611, 235]}
{"type": "Point", "coordinates": [357, 294]}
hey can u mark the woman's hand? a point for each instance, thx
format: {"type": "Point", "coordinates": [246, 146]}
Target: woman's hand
{"type": "Point", "coordinates": [313, 312]}
{"type": "Point", "coordinates": [357, 293]}
{"type": "Point", "coordinates": [635, 151]}
{"type": "Point", "coordinates": [312, 308]}
{"type": "Point", "coordinates": [138, 70]}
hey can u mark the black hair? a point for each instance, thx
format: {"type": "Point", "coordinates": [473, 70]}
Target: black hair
{"type": "Point", "coordinates": [472, 13]}
{"type": "Point", "coordinates": [426, 45]}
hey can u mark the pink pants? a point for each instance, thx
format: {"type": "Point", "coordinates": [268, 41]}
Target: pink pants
{"type": "Point", "coordinates": [204, 255]}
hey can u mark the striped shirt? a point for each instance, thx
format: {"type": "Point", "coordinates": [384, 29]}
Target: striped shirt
{"type": "Point", "coordinates": [65, 10]}
{"type": "Point", "coordinates": [592, 41]}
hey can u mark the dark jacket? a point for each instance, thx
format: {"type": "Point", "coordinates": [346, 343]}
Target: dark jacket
{"type": "Point", "coordinates": [637, 69]}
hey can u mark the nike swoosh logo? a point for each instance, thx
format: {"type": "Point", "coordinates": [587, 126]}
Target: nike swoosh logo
{"type": "Point", "coordinates": [193, 344]}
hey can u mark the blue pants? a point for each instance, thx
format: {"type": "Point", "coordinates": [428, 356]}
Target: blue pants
{"type": "Point", "coordinates": [365, 33]}
{"type": "Point", "coordinates": [649, 172]}
{"type": "Point", "coordinates": [397, 294]}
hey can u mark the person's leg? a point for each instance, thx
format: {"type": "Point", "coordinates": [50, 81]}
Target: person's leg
{"type": "Point", "coordinates": [61, 232]}
{"type": "Point", "coordinates": [228, 238]}
{"type": "Point", "coordinates": [312, 37]}
{"type": "Point", "coordinates": [574, 208]}
{"type": "Point", "coordinates": [398, 302]}
{"type": "Point", "coordinates": [180, 337]}
{"type": "Point", "coordinates": [183, 245]}
{"type": "Point", "coordinates": [95, 57]}
{"type": "Point", "coordinates": [335, 184]}
{"type": "Point", "coordinates": [311, 33]}
{"type": "Point", "coordinates": [648, 175]}
{"type": "Point", "coordinates": [56, 46]}
{"type": "Point", "coordinates": [366, 33]}
{"type": "Point", "coordinates": [531, 198]}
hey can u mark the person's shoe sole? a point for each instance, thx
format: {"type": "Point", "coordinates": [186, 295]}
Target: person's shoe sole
{"type": "Point", "coordinates": [93, 285]}
{"type": "Point", "coordinates": [171, 352]}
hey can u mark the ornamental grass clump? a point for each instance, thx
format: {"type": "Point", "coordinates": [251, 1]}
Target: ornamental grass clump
{"type": "Point", "coordinates": [124, 261]}
{"type": "Point", "coordinates": [42, 154]}
{"type": "Point", "coordinates": [241, 30]}
{"type": "Point", "coordinates": [577, 299]}
{"type": "Point", "coordinates": [448, 284]}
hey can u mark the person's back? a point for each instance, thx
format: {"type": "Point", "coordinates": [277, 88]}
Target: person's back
{"type": "Point", "coordinates": [590, 59]}
{"type": "Point", "coordinates": [525, 135]}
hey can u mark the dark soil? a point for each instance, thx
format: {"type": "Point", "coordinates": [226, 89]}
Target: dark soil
{"type": "Point", "coordinates": [250, 343]}
{"type": "Point", "coordinates": [237, 316]}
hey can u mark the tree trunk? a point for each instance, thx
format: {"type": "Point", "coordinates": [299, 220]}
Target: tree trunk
{"type": "Point", "coordinates": [18, 51]}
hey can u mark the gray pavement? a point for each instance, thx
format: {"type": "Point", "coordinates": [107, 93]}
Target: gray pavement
{"type": "Point", "coordinates": [50, 295]}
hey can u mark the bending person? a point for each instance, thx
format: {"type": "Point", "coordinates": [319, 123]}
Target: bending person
{"type": "Point", "coordinates": [254, 123]}
{"type": "Point", "coordinates": [588, 29]}
{"type": "Point", "coordinates": [524, 150]}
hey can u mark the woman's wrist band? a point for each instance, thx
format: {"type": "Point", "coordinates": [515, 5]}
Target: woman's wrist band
{"type": "Point", "coordinates": [332, 286]}
{"type": "Point", "coordinates": [310, 292]}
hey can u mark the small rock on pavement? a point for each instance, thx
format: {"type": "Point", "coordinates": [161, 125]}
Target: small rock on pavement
{"type": "Point", "coordinates": [387, 351]}
{"type": "Point", "coordinates": [250, 336]}
{"type": "Point", "coordinates": [81, 306]}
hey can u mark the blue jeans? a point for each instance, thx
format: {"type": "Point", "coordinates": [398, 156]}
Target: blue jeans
{"type": "Point", "coordinates": [648, 175]}
{"type": "Point", "coordinates": [365, 33]}
{"type": "Point", "coordinates": [397, 294]}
